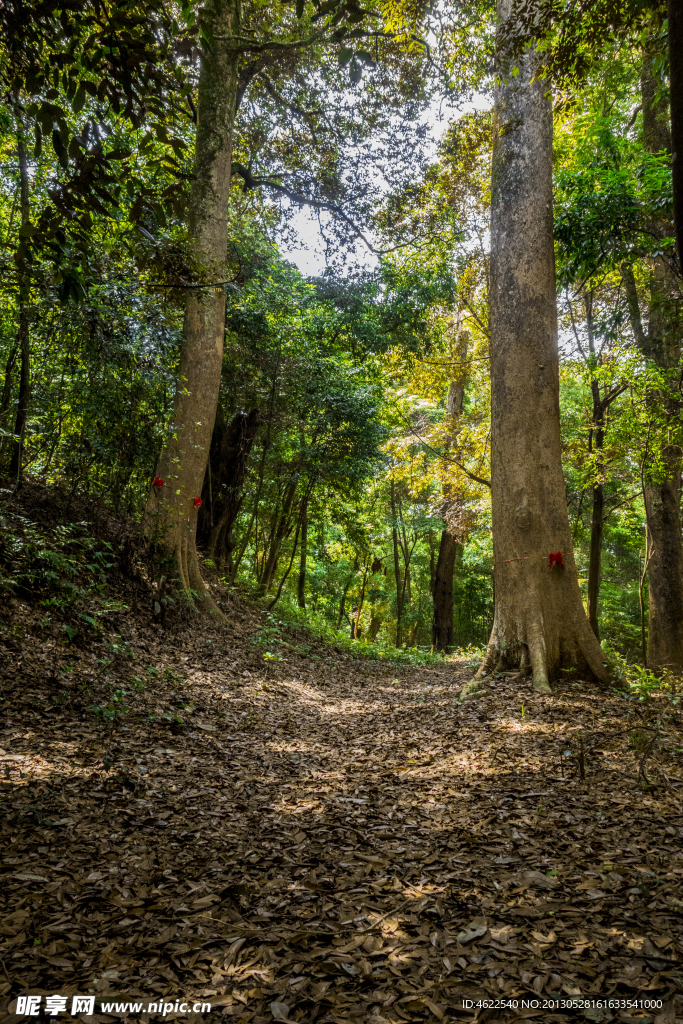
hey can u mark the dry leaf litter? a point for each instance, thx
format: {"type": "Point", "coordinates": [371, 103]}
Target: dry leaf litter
{"type": "Point", "coordinates": [323, 838]}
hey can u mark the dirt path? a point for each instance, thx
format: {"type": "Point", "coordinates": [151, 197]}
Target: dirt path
{"type": "Point", "coordinates": [326, 839]}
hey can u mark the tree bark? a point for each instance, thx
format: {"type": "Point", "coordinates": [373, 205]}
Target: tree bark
{"type": "Point", "coordinates": [400, 585]}
{"type": "Point", "coordinates": [355, 628]}
{"type": "Point", "coordinates": [172, 509]}
{"type": "Point", "coordinates": [24, 335]}
{"type": "Point", "coordinates": [449, 548]}
{"type": "Point", "coordinates": [675, 34]}
{"type": "Point", "coordinates": [279, 531]}
{"type": "Point", "coordinates": [539, 620]}
{"type": "Point", "coordinates": [222, 492]}
{"type": "Point", "coordinates": [442, 623]}
{"type": "Point", "coordinates": [342, 603]}
{"type": "Point", "coordinates": [301, 582]}
{"type": "Point", "coordinates": [374, 627]}
{"type": "Point", "coordinates": [7, 385]}
{"type": "Point", "coordinates": [660, 345]}
{"type": "Point", "coordinates": [595, 557]}
{"type": "Point", "coordinates": [597, 441]}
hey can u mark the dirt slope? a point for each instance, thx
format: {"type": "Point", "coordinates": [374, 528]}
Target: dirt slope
{"type": "Point", "coordinates": [325, 838]}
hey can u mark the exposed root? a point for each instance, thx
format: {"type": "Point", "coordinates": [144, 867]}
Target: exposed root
{"type": "Point", "coordinates": [191, 578]}
{"type": "Point", "coordinates": [524, 662]}
{"type": "Point", "coordinates": [539, 665]}
{"type": "Point", "coordinates": [594, 654]}
{"type": "Point", "coordinates": [473, 690]}
{"type": "Point", "coordinates": [491, 658]}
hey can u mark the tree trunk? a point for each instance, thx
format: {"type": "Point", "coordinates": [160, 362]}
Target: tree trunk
{"type": "Point", "coordinates": [661, 472]}
{"type": "Point", "coordinates": [355, 629]}
{"type": "Point", "coordinates": [432, 563]}
{"type": "Point", "coordinates": [222, 492]}
{"type": "Point", "coordinates": [539, 620]}
{"type": "Point", "coordinates": [442, 623]}
{"type": "Point", "coordinates": [342, 603]}
{"type": "Point", "coordinates": [300, 517]}
{"type": "Point", "coordinates": [7, 386]}
{"type": "Point", "coordinates": [595, 557]}
{"type": "Point", "coordinates": [450, 548]}
{"type": "Point", "coordinates": [301, 582]}
{"type": "Point", "coordinates": [675, 33]}
{"type": "Point", "coordinates": [597, 440]}
{"type": "Point", "coordinates": [24, 336]}
{"type": "Point", "coordinates": [400, 587]}
{"type": "Point", "coordinates": [279, 531]}
{"type": "Point", "coordinates": [662, 491]}
{"type": "Point", "coordinates": [172, 509]}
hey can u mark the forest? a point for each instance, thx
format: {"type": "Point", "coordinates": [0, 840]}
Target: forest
{"type": "Point", "coordinates": [335, 456]}
{"type": "Point", "coordinates": [341, 442]}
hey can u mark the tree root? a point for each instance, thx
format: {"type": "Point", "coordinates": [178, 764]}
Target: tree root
{"type": "Point", "coordinates": [191, 579]}
{"type": "Point", "coordinates": [532, 659]}
{"type": "Point", "coordinates": [539, 665]}
{"type": "Point", "coordinates": [472, 690]}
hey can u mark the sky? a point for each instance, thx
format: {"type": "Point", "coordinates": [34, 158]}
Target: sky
{"type": "Point", "coordinates": [308, 254]}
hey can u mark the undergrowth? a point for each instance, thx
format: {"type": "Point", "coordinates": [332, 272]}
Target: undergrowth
{"type": "Point", "coordinates": [640, 683]}
{"type": "Point", "coordinates": [290, 616]}
{"type": "Point", "coordinates": [63, 567]}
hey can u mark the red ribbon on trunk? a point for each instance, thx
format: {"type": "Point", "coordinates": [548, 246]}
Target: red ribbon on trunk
{"type": "Point", "coordinates": [555, 559]}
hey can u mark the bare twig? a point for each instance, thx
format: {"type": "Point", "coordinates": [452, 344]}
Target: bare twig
{"type": "Point", "coordinates": [642, 777]}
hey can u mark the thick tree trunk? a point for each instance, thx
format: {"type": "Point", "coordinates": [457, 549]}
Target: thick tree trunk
{"type": "Point", "coordinates": [442, 622]}
{"type": "Point", "coordinates": [222, 492]}
{"type": "Point", "coordinates": [660, 344]}
{"type": "Point", "coordinates": [539, 618]}
{"type": "Point", "coordinates": [303, 554]}
{"type": "Point", "coordinates": [662, 490]}
{"type": "Point", "coordinates": [24, 336]}
{"type": "Point", "coordinates": [172, 509]}
{"type": "Point", "coordinates": [432, 562]}
{"type": "Point", "coordinates": [675, 33]}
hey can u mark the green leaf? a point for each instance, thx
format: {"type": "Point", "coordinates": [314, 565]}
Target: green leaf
{"type": "Point", "coordinates": [60, 149]}
{"type": "Point", "coordinates": [79, 99]}
{"type": "Point", "coordinates": [345, 56]}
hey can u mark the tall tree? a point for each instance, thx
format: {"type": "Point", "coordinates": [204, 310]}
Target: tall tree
{"type": "Point", "coordinates": [675, 41]}
{"type": "Point", "coordinates": [660, 345]}
{"type": "Point", "coordinates": [539, 621]}
{"type": "Point", "coordinates": [450, 547]}
{"type": "Point", "coordinates": [173, 506]}
{"type": "Point", "coordinates": [24, 336]}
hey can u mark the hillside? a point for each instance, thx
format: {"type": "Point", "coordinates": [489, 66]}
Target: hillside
{"type": "Point", "coordinates": [313, 836]}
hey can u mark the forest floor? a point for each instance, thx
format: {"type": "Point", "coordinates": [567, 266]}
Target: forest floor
{"type": "Point", "coordinates": [328, 838]}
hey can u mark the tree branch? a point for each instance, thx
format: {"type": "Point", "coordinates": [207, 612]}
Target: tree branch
{"type": "Point", "coordinates": [446, 458]}
{"type": "Point", "coordinates": [245, 45]}
{"type": "Point", "coordinates": [318, 204]}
